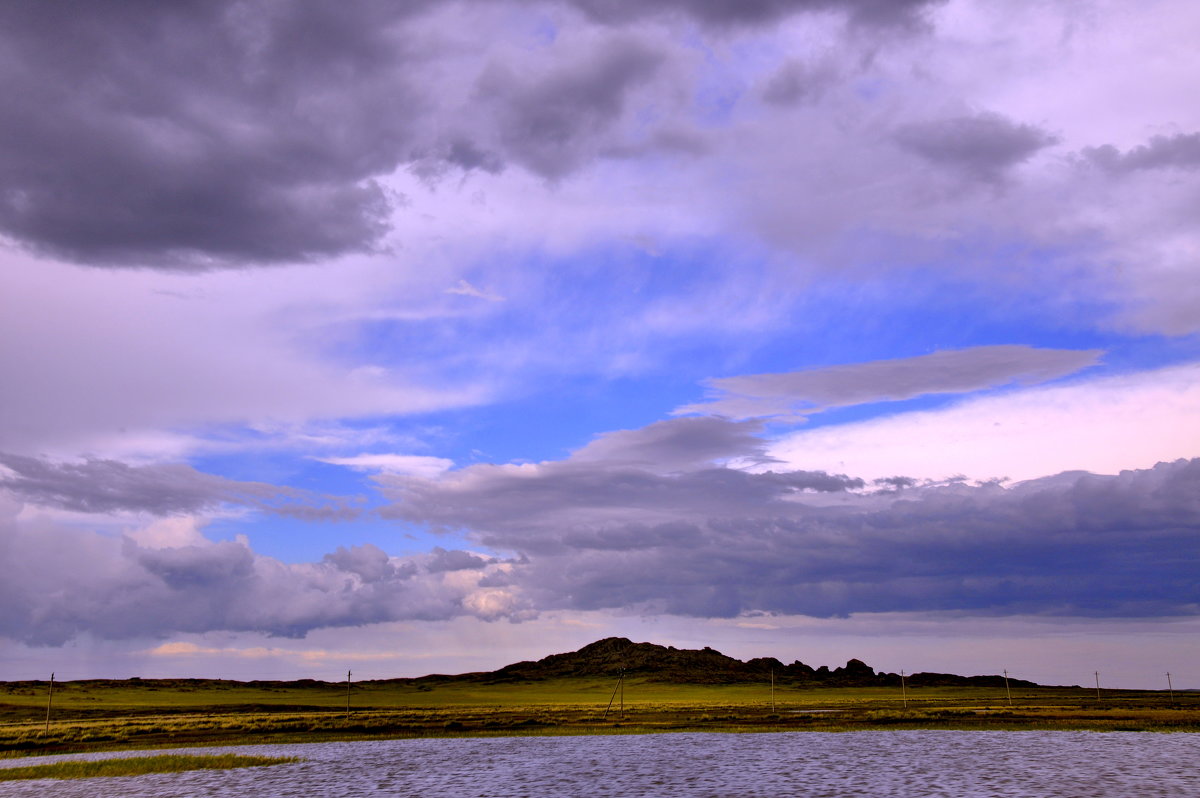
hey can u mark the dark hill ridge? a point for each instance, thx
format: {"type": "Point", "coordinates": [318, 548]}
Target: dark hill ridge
{"type": "Point", "coordinates": [603, 659]}
{"type": "Point", "coordinates": [611, 656]}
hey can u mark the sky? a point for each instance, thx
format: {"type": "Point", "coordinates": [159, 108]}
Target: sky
{"type": "Point", "coordinates": [433, 336]}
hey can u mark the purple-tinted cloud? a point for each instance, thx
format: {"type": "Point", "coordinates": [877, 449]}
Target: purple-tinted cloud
{"type": "Point", "coordinates": [188, 135]}
{"type": "Point", "coordinates": [725, 13]}
{"type": "Point", "coordinates": [198, 135]}
{"type": "Point", "coordinates": [58, 582]}
{"type": "Point", "coordinates": [949, 371]}
{"type": "Point", "coordinates": [1181, 151]}
{"type": "Point", "coordinates": [797, 82]}
{"type": "Point", "coordinates": [678, 444]}
{"type": "Point", "coordinates": [983, 146]}
{"type": "Point", "coordinates": [441, 560]}
{"type": "Point", "coordinates": [552, 124]}
{"type": "Point", "coordinates": [106, 486]}
{"type": "Point", "coordinates": [718, 542]}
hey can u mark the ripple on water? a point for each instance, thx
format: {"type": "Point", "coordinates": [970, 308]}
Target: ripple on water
{"type": "Point", "coordinates": [911, 764]}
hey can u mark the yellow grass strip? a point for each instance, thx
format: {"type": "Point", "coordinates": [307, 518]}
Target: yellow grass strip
{"type": "Point", "coordinates": [138, 766]}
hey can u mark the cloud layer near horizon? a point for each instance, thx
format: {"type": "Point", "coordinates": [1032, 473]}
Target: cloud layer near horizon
{"type": "Point", "coordinates": [716, 541]}
{"type": "Point", "coordinates": [60, 582]}
{"type": "Point", "coordinates": [704, 541]}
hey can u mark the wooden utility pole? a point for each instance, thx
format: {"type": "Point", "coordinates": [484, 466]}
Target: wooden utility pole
{"type": "Point", "coordinates": [1007, 692]}
{"type": "Point", "coordinates": [1170, 687]}
{"type": "Point", "coordinates": [347, 695]}
{"type": "Point", "coordinates": [49, 701]}
{"type": "Point", "coordinates": [1097, 685]}
{"type": "Point", "coordinates": [903, 689]}
{"type": "Point", "coordinates": [620, 688]}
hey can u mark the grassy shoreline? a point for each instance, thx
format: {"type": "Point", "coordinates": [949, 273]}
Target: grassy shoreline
{"type": "Point", "coordinates": [138, 766]}
{"type": "Point", "coordinates": [147, 715]}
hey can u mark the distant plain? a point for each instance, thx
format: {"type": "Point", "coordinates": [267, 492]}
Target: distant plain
{"type": "Point", "coordinates": [99, 715]}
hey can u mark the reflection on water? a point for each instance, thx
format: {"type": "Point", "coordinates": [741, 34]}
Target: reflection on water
{"type": "Point", "coordinates": [904, 763]}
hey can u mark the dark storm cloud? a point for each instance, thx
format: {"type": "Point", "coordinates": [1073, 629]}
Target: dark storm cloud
{"type": "Point", "coordinates": [720, 543]}
{"type": "Point", "coordinates": [212, 566]}
{"type": "Point", "coordinates": [875, 13]}
{"type": "Point", "coordinates": [511, 509]}
{"type": "Point", "coordinates": [1180, 151]}
{"type": "Point", "coordinates": [550, 124]}
{"type": "Point", "coordinates": [106, 486]}
{"type": "Point", "coordinates": [983, 146]}
{"type": "Point", "coordinates": [797, 82]}
{"type": "Point", "coordinates": [949, 371]}
{"type": "Point", "coordinates": [196, 135]}
{"type": "Point", "coordinates": [663, 473]}
{"type": "Point", "coordinates": [193, 134]}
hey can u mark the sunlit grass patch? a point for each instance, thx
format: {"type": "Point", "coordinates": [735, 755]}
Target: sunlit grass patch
{"type": "Point", "coordinates": [139, 766]}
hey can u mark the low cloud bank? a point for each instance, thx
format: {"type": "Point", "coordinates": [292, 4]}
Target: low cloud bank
{"type": "Point", "coordinates": [603, 530]}
{"type": "Point", "coordinates": [717, 541]}
{"type": "Point", "coordinates": [59, 582]}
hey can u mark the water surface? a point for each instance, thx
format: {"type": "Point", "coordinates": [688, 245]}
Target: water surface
{"type": "Point", "coordinates": [911, 764]}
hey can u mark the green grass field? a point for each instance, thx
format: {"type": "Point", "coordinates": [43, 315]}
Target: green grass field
{"type": "Point", "coordinates": [99, 715]}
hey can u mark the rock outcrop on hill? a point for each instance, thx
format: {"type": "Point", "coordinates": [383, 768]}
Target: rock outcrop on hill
{"type": "Point", "coordinates": [614, 655]}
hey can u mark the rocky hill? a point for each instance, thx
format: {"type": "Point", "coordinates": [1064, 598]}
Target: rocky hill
{"type": "Point", "coordinates": [614, 655]}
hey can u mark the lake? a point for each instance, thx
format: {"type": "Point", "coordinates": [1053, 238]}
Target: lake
{"type": "Point", "coordinates": [911, 764]}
